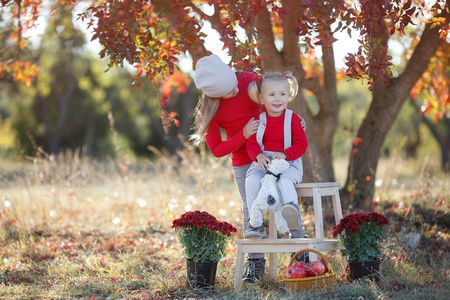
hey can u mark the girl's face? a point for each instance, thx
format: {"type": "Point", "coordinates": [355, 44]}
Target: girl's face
{"type": "Point", "coordinates": [274, 96]}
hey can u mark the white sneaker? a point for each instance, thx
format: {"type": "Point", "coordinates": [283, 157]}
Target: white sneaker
{"type": "Point", "coordinates": [291, 213]}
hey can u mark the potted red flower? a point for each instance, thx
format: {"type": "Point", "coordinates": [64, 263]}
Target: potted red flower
{"type": "Point", "coordinates": [361, 234]}
{"type": "Point", "coordinates": [204, 240]}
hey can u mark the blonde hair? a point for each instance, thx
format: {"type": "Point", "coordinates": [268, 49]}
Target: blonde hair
{"type": "Point", "coordinates": [254, 88]}
{"type": "Point", "coordinates": [204, 112]}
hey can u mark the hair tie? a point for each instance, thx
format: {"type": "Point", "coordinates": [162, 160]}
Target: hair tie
{"type": "Point", "coordinates": [287, 77]}
{"type": "Point", "coordinates": [259, 79]}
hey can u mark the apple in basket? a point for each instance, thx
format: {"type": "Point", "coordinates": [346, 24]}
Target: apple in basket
{"type": "Point", "coordinates": [296, 271]}
{"type": "Point", "coordinates": [316, 268]}
{"type": "Point", "coordinates": [325, 264]}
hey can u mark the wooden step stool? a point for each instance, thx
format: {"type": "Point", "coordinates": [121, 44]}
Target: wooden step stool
{"type": "Point", "coordinates": [272, 245]}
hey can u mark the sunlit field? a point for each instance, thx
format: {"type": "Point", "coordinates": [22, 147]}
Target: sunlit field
{"type": "Point", "coordinates": [75, 228]}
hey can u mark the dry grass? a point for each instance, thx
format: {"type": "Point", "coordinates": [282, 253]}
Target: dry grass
{"type": "Point", "coordinates": [73, 228]}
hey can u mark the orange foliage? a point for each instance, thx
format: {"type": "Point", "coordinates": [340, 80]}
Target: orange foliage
{"type": "Point", "coordinates": [150, 35]}
{"type": "Point", "coordinates": [434, 86]}
{"type": "Point", "coordinates": [176, 80]}
{"type": "Point", "coordinates": [22, 71]}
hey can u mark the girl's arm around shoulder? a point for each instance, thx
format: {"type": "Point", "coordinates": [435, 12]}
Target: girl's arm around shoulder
{"type": "Point", "coordinates": [217, 146]}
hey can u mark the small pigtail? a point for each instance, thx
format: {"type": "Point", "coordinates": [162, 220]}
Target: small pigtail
{"type": "Point", "coordinates": [254, 91]}
{"type": "Point", "coordinates": [293, 85]}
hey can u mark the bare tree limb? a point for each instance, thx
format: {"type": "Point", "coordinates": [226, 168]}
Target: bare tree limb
{"type": "Point", "coordinates": [419, 61]}
{"type": "Point", "coordinates": [267, 42]}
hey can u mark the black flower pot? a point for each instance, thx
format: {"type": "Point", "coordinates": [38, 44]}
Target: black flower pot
{"type": "Point", "coordinates": [201, 275]}
{"type": "Point", "coordinates": [364, 270]}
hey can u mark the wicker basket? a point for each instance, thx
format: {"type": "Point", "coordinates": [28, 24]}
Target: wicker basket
{"type": "Point", "coordinates": [324, 281]}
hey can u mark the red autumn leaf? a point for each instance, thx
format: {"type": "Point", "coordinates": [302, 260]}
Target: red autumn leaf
{"type": "Point", "coordinates": [163, 100]}
{"type": "Point", "coordinates": [357, 141]}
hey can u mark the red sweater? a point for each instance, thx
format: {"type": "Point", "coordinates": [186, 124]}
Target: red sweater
{"type": "Point", "coordinates": [273, 139]}
{"type": "Point", "coordinates": [232, 115]}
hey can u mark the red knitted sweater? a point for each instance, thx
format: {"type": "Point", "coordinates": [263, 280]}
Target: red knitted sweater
{"type": "Point", "coordinates": [232, 115]}
{"type": "Point", "coordinates": [273, 139]}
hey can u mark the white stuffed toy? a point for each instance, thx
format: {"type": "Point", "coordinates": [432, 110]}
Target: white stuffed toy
{"type": "Point", "coordinates": [269, 198]}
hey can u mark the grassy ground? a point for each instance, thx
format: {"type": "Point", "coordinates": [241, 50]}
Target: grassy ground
{"type": "Point", "coordinates": [71, 228]}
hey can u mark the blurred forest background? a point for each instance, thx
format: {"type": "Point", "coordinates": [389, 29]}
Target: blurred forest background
{"type": "Point", "coordinates": [90, 181]}
{"type": "Point", "coordinates": [75, 104]}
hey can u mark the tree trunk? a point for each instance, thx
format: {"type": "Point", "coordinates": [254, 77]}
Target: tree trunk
{"type": "Point", "coordinates": [63, 100]}
{"type": "Point", "coordinates": [326, 121]}
{"type": "Point", "coordinates": [313, 165]}
{"type": "Point", "coordinates": [367, 148]}
{"type": "Point", "coordinates": [53, 132]}
{"type": "Point", "coordinates": [386, 104]}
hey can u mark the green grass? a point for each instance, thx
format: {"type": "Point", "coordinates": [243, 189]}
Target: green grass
{"type": "Point", "coordinates": [73, 228]}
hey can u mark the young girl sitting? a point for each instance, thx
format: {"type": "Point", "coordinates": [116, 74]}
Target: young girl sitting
{"type": "Point", "coordinates": [225, 105]}
{"type": "Point", "coordinates": [279, 136]}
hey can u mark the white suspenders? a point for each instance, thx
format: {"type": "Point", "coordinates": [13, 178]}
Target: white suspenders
{"type": "Point", "coordinates": [287, 129]}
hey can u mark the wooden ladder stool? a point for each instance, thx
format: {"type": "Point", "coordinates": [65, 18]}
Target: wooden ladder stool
{"type": "Point", "coordinates": [272, 245]}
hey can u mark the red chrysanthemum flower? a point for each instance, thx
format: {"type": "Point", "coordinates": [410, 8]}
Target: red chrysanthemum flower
{"type": "Point", "coordinates": [361, 235]}
{"type": "Point", "coordinates": [202, 236]}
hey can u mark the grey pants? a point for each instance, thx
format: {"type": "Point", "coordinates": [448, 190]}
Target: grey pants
{"type": "Point", "coordinates": [285, 184]}
{"type": "Point", "coordinates": [240, 175]}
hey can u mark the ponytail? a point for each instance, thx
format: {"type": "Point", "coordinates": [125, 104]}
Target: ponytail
{"type": "Point", "coordinates": [204, 112]}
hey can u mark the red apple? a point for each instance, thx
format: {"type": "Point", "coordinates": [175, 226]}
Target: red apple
{"type": "Point", "coordinates": [325, 264]}
{"type": "Point", "coordinates": [301, 263]}
{"type": "Point", "coordinates": [298, 271]}
{"type": "Point", "coordinates": [289, 272]}
{"type": "Point", "coordinates": [316, 268]}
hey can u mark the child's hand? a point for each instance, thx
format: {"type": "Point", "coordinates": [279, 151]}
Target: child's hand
{"type": "Point", "coordinates": [263, 161]}
{"type": "Point", "coordinates": [303, 124]}
{"type": "Point", "coordinates": [250, 128]}
{"type": "Point", "coordinates": [278, 155]}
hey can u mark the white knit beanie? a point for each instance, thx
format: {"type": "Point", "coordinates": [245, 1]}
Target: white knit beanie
{"type": "Point", "coordinates": [214, 77]}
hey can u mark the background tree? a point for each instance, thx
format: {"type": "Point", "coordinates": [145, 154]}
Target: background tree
{"type": "Point", "coordinates": [58, 86]}
{"type": "Point", "coordinates": [150, 35]}
{"type": "Point", "coordinates": [440, 130]}
{"type": "Point", "coordinates": [44, 112]}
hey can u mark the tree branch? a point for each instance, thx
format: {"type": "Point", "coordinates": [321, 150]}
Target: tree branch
{"type": "Point", "coordinates": [215, 18]}
{"type": "Point", "coordinates": [382, 35]}
{"type": "Point", "coordinates": [266, 41]}
{"type": "Point", "coordinates": [290, 40]}
{"type": "Point", "coordinates": [420, 59]}
{"type": "Point", "coordinates": [430, 125]}
{"type": "Point", "coordinates": [329, 75]}
{"type": "Point", "coordinates": [197, 49]}
{"type": "Point", "coordinates": [198, 11]}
